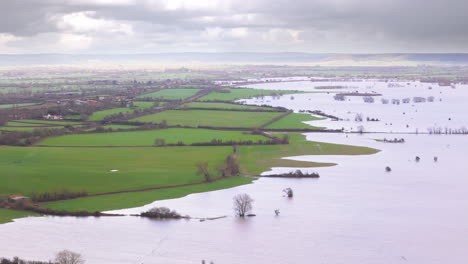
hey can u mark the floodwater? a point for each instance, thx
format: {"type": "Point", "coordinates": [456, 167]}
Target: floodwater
{"type": "Point", "coordinates": [447, 110]}
{"type": "Point", "coordinates": [355, 213]}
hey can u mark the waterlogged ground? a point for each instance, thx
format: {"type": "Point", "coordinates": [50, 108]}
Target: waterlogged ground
{"type": "Point", "coordinates": [355, 213]}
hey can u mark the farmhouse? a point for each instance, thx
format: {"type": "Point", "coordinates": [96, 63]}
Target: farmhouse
{"type": "Point", "coordinates": [52, 117]}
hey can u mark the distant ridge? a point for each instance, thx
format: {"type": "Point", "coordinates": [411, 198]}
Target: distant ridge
{"type": "Point", "coordinates": [235, 57]}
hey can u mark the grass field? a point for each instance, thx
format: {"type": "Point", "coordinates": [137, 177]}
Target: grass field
{"type": "Point", "coordinates": [231, 94]}
{"type": "Point", "coordinates": [29, 129]}
{"type": "Point", "coordinates": [224, 106]}
{"type": "Point", "coordinates": [74, 117]}
{"type": "Point", "coordinates": [24, 170]}
{"type": "Point", "coordinates": [17, 105]}
{"type": "Point", "coordinates": [100, 115]}
{"type": "Point", "coordinates": [171, 94]}
{"type": "Point", "coordinates": [7, 215]}
{"type": "Point", "coordinates": [115, 127]}
{"type": "Point", "coordinates": [19, 124]}
{"type": "Point", "coordinates": [210, 118]}
{"type": "Point", "coordinates": [50, 122]}
{"type": "Point", "coordinates": [294, 121]}
{"type": "Point", "coordinates": [143, 105]}
{"type": "Point", "coordinates": [147, 137]}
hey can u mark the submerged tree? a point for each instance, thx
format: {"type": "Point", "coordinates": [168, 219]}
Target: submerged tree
{"type": "Point", "coordinates": [289, 192]}
{"type": "Point", "coordinates": [242, 204]}
{"type": "Point", "coordinates": [68, 257]}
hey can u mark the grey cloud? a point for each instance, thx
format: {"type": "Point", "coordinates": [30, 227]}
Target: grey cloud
{"type": "Point", "coordinates": [324, 25]}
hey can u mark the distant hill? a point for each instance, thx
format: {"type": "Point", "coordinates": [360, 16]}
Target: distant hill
{"type": "Point", "coordinates": [240, 57]}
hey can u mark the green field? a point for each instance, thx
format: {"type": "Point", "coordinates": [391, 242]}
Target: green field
{"type": "Point", "coordinates": [73, 117]}
{"type": "Point", "coordinates": [294, 121]}
{"type": "Point", "coordinates": [171, 94]}
{"type": "Point", "coordinates": [231, 94]}
{"type": "Point", "coordinates": [116, 127]}
{"type": "Point", "coordinates": [143, 105]}
{"type": "Point", "coordinates": [224, 106]}
{"type": "Point", "coordinates": [100, 115]}
{"type": "Point", "coordinates": [7, 215]}
{"type": "Point", "coordinates": [25, 170]}
{"type": "Point", "coordinates": [29, 129]}
{"type": "Point", "coordinates": [50, 122]}
{"type": "Point", "coordinates": [13, 105]}
{"type": "Point", "coordinates": [147, 137]}
{"type": "Point", "coordinates": [215, 118]}
{"type": "Point", "coordinates": [113, 127]}
{"type": "Point", "coordinates": [20, 124]}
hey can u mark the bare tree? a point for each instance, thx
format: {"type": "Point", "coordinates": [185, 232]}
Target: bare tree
{"type": "Point", "coordinates": [230, 166]}
{"type": "Point", "coordinates": [68, 257]}
{"type": "Point", "coordinates": [204, 170]}
{"type": "Point", "coordinates": [242, 204]}
{"type": "Point", "coordinates": [289, 192]}
{"type": "Point", "coordinates": [359, 117]}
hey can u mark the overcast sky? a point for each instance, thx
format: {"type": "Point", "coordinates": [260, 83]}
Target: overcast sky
{"type": "Point", "coordinates": [316, 26]}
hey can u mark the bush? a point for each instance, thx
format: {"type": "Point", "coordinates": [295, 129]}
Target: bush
{"type": "Point", "coordinates": [162, 213]}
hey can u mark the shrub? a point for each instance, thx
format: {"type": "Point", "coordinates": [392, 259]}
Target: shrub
{"type": "Point", "coordinates": [161, 212]}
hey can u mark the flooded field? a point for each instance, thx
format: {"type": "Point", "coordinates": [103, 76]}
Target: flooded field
{"type": "Point", "coordinates": [355, 213]}
{"type": "Point", "coordinates": [441, 106]}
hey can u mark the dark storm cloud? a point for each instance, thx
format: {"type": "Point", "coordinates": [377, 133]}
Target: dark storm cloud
{"type": "Point", "coordinates": [303, 25]}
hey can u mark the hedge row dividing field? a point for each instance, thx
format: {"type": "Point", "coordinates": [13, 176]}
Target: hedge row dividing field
{"type": "Point", "coordinates": [147, 137]}
{"type": "Point", "coordinates": [196, 118]}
